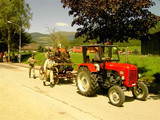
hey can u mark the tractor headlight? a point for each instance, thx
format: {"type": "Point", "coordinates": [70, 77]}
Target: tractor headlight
{"type": "Point", "coordinates": [121, 72]}
{"type": "Point", "coordinates": [123, 78]}
{"type": "Point", "coordinates": [139, 75]}
{"type": "Point", "coordinates": [97, 67]}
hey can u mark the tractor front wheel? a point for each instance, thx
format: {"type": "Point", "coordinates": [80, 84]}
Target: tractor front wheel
{"type": "Point", "coordinates": [116, 96]}
{"type": "Point", "coordinates": [140, 92]}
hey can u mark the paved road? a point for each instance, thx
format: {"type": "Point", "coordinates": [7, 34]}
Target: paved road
{"type": "Point", "coordinates": [22, 98]}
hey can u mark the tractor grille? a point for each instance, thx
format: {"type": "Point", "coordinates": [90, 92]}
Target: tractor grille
{"type": "Point", "coordinates": [132, 77]}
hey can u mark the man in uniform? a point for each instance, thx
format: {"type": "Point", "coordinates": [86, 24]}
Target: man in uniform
{"type": "Point", "coordinates": [67, 59]}
{"type": "Point", "coordinates": [32, 61]}
{"type": "Point", "coordinates": [47, 54]}
{"type": "Point", "coordinates": [48, 65]}
{"type": "Point", "coordinates": [58, 55]}
{"type": "Point", "coordinates": [58, 58]}
{"type": "Point", "coordinates": [66, 56]}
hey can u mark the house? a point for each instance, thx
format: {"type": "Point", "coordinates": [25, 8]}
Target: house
{"type": "Point", "coordinates": [61, 49]}
{"type": "Point", "coordinates": [77, 49]}
{"type": "Point", "coordinates": [152, 45]}
{"type": "Point", "coordinates": [30, 47]}
{"type": "Point", "coordinates": [89, 49]}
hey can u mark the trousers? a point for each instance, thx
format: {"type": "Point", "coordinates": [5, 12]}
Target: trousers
{"type": "Point", "coordinates": [49, 74]}
{"type": "Point", "coordinates": [31, 68]}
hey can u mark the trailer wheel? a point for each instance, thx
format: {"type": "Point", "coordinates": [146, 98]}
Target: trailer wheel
{"type": "Point", "coordinates": [41, 73]}
{"type": "Point", "coordinates": [86, 85]}
{"type": "Point", "coordinates": [116, 96]}
{"type": "Point", "coordinates": [140, 92]}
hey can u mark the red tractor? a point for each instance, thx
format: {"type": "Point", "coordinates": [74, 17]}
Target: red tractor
{"type": "Point", "coordinates": [102, 69]}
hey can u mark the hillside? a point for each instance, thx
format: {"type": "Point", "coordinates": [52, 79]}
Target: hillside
{"type": "Point", "coordinates": [69, 35]}
{"type": "Point", "coordinates": [43, 39]}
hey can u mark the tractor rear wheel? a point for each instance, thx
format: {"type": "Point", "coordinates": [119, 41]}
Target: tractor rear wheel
{"type": "Point", "coordinates": [86, 85]}
{"type": "Point", "coordinates": [140, 92]}
{"type": "Point", "coordinates": [116, 96]}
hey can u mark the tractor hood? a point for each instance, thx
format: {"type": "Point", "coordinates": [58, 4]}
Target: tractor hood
{"type": "Point", "coordinates": [118, 66]}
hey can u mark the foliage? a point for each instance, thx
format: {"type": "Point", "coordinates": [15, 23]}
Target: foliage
{"type": "Point", "coordinates": [129, 43]}
{"type": "Point", "coordinates": [41, 48]}
{"type": "Point", "coordinates": [80, 41]}
{"type": "Point", "coordinates": [155, 29]}
{"type": "Point", "coordinates": [25, 39]}
{"type": "Point", "coordinates": [136, 52]}
{"type": "Point", "coordinates": [116, 20]}
{"type": "Point", "coordinates": [13, 15]}
{"type": "Point", "coordinates": [58, 39]}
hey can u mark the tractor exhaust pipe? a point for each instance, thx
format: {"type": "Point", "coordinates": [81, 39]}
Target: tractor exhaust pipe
{"type": "Point", "coordinates": [126, 54]}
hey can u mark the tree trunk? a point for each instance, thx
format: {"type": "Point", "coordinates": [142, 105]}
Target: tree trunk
{"type": "Point", "coordinates": [9, 44]}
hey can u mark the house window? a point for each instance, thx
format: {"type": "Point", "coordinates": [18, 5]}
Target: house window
{"type": "Point", "coordinates": [78, 48]}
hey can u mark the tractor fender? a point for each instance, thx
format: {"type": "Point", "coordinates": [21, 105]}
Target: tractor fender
{"type": "Point", "coordinates": [90, 66]}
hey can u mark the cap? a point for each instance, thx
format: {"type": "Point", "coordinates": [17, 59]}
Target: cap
{"type": "Point", "coordinates": [50, 55]}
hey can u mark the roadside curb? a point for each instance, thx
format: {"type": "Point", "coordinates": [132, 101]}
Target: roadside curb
{"type": "Point", "coordinates": [27, 66]}
{"type": "Point", "coordinates": [23, 65]}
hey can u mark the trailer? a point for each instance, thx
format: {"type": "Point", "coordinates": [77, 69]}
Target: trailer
{"type": "Point", "coordinates": [65, 73]}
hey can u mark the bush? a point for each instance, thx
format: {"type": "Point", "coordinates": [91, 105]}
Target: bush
{"type": "Point", "coordinates": [41, 48]}
{"type": "Point", "coordinates": [136, 52]}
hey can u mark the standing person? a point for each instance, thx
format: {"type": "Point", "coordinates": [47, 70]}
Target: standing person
{"type": "Point", "coordinates": [58, 59]}
{"type": "Point", "coordinates": [47, 54]}
{"type": "Point", "coordinates": [67, 59]}
{"type": "Point", "coordinates": [19, 57]}
{"type": "Point", "coordinates": [48, 65]}
{"type": "Point", "coordinates": [13, 57]}
{"type": "Point", "coordinates": [66, 56]}
{"type": "Point", "coordinates": [4, 57]}
{"type": "Point", "coordinates": [32, 61]}
{"type": "Point", "coordinates": [58, 55]}
{"type": "Point", "coordinates": [1, 60]}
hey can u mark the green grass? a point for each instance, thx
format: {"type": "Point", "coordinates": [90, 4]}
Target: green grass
{"type": "Point", "coordinates": [38, 56]}
{"type": "Point", "coordinates": [148, 66]}
{"type": "Point", "coordinates": [131, 48]}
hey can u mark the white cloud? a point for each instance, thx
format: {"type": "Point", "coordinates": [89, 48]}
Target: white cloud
{"type": "Point", "coordinates": [61, 24]}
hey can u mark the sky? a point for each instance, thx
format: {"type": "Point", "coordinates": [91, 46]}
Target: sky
{"type": "Point", "coordinates": [49, 14]}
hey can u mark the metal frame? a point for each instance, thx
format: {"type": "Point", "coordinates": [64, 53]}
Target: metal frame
{"type": "Point", "coordinates": [84, 50]}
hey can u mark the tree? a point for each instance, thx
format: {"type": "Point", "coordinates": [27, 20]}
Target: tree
{"type": "Point", "coordinates": [58, 39]}
{"type": "Point", "coordinates": [13, 15]}
{"type": "Point", "coordinates": [116, 20]}
{"type": "Point", "coordinates": [26, 38]}
{"type": "Point", "coordinates": [64, 41]}
{"type": "Point", "coordinates": [80, 41]}
{"type": "Point", "coordinates": [41, 48]}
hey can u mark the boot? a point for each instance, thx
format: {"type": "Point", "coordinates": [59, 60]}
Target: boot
{"type": "Point", "coordinates": [44, 83]}
{"type": "Point", "coordinates": [34, 77]}
{"type": "Point", "coordinates": [51, 85]}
